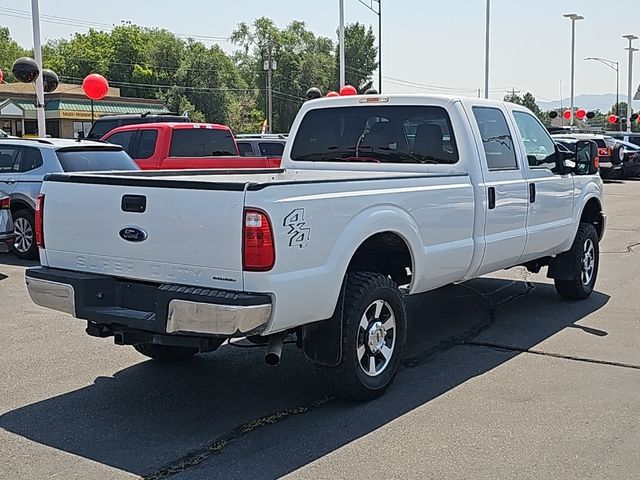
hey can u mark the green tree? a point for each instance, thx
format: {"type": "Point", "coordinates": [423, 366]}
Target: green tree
{"type": "Point", "coordinates": [10, 51]}
{"type": "Point", "coordinates": [360, 55]}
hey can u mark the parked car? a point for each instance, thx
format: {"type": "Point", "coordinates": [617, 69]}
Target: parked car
{"type": "Point", "coordinates": [610, 152]}
{"type": "Point", "coordinates": [106, 123]}
{"type": "Point", "coordinates": [329, 247]}
{"type": "Point", "coordinates": [632, 137]}
{"type": "Point", "coordinates": [6, 225]}
{"type": "Point", "coordinates": [162, 146]}
{"type": "Point", "coordinates": [631, 160]}
{"type": "Point", "coordinates": [261, 145]}
{"type": "Point", "coordinates": [25, 162]}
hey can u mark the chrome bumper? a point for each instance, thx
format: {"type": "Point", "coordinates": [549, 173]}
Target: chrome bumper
{"type": "Point", "coordinates": [53, 295]}
{"type": "Point", "coordinates": [212, 319]}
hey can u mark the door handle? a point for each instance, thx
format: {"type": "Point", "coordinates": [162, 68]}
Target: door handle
{"type": "Point", "coordinates": [491, 193]}
{"type": "Point", "coordinates": [10, 181]}
{"type": "Point", "coordinates": [532, 193]}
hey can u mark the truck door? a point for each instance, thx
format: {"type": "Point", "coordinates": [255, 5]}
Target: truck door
{"type": "Point", "coordinates": [549, 220]}
{"type": "Point", "coordinates": [506, 191]}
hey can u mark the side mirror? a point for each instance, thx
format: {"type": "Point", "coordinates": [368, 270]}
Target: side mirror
{"type": "Point", "coordinates": [586, 157]}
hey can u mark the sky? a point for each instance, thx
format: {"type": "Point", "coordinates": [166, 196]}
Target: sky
{"type": "Point", "coordinates": [428, 46]}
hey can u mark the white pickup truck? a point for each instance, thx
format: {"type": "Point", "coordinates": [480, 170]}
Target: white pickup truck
{"type": "Point", "coordinates": [379, 197]}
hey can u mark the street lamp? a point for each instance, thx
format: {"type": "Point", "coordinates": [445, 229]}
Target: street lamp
{"type": "Point", "coordinates": [631, 38]}
{"type": "Point", "coordinates": [613, 66]}
{"type": "Point", "coordinates": [486, 50]}
{"type": "Point", "coordinates": [573, 17]}
{"type": "Point", "coordinates": [369, 5]}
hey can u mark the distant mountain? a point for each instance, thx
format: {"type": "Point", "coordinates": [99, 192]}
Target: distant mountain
{"type": "Point", "coordinates": [589, 102]}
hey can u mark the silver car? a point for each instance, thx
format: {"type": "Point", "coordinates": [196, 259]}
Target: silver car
{"type": "Point", "coordinates": [25, 162]}
{"type": "Point", "coordinates": [6, 225]}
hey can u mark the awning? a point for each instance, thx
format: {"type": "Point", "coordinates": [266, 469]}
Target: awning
{"type": "Point", "coordinates": [102, 107]}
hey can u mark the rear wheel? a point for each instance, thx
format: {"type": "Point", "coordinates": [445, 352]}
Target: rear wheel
{"type": "Point", "coordinates": [585, 256]}
{"type": "Point", "coordinates": [165, 353]}
{"type": "Point", "coordinates": [373, 338]}
{"type": "Point", "coordinates": [24, 230]}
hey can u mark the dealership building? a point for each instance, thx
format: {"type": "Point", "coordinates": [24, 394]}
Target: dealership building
{"type": "Point", "coordinates": [67, 109]}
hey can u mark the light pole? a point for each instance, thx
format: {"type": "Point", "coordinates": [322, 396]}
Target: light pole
{"type": "Point", "coordinates": [486, 50]}
{"type": "Point", "coordinates": [573, 17]}
{"type": "Point", "coordinates": [631, 38]}
{"type": "Point", "coordinates": [378, 12]}
{"type": "Point", "coordinates": [341, 39]}
{"type": "Point", "coordinates": [37, 53]}
{"type": "Point", "coordinates": [613, 66]}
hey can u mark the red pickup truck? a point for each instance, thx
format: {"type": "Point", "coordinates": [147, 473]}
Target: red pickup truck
{"type": "Point", "coordinates": [177, 146]}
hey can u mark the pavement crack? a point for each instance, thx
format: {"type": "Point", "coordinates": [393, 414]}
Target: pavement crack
{"type": "Point", "coordinates": [628, 249]}
{"type": "Point", "coordinates": [534, 351]}
{"type": "Point", "coordinates": [485, 323]}
{"type": "Point", "coordinates": [198, 456]}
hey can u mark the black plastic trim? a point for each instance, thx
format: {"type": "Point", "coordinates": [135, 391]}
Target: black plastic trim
{"type": "Point", "coordinates": [144, 182]}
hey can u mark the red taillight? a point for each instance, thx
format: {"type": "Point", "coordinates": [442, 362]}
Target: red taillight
{"type": "Point", "coordinates": [258, 250]}
{"type": "Point", "coordinates": [596, 162]}
{"type": "Point", "coordinates": [39, 220]}
{"type": "Point", "coordinates": [5, 203]}
{"type": "Point", "coordinates": [604, 152]}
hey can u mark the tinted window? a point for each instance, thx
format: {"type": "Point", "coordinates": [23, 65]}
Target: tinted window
{"type": "Point", "coordinates": [31, 159]}
{"type": "Point", "coordinates": [124, 139]}
{"type": "Point", "coordinates": [9, 159]}
{"type": "Point", "coordinates": [147, 145]}
{"type": "Point", "coordinates": [86, 160]}
{"type": "Point", "coordinates": [245, 149]}
{"type": "Point", "coordinates": [389, 134]}
{"type": "Point", "coordinates": [271, 149]}
{"type": "Point", "coordinates": [202, 142]}
{"type": "Point", "coordinates": [540, 149]}
{"type": "Point", "coordinates": [496, 138]}
{"type": "Point", "coordinates": [101, 128]}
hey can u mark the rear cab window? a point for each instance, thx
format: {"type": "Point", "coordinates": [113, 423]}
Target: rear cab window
{"type": "Point", "coordinates": [384, 134]}
{"type": "Point", "coordinates": [89, 159]}
{"type": "Point", "coordinates": [202, 142]}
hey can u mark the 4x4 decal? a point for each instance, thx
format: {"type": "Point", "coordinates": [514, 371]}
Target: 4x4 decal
{"type": "Point", "coordinates": [298, 230]}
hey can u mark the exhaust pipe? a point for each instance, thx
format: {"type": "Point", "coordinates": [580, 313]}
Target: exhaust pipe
{"type": "Point", "coordinates": [274, 348]}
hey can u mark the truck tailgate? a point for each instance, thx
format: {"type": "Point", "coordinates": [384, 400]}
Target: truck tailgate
{"type": "Point", "coordinates": [188, 236]}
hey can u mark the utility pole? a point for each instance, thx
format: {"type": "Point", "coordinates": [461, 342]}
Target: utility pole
{"type": "Point", "coordinates": [269, 65]}
{"type": "Point", "coordinates": [631, 38]}
{"type": "Point", "coordinates": [378, 11]}
{"type": "Point", "coordinates": [37, 52]}
{"type": "Point", "coordinates": [341, 40]}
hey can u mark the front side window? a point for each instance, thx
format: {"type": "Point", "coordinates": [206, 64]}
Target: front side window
{"type": "Point", "coordinates": [245, 149]}
{"type": "Point", "coordinates": [147, 144]}
{"type": "Point", "coordinates": [538, 145]}
{"type": "Point", "coordinates": [124, 139]}
{"type": "Point", "coordinates": [202, 142]}
{"type": "Point", "coordinates": [385, 134]}
{"type": "Point", "coordinates": [496, 138]}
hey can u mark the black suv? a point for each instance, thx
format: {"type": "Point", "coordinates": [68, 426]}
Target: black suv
{"type": "Point", "coordinates": [106, 123]}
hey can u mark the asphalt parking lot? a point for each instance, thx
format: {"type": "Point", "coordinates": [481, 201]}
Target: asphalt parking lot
{"type": "Point", "coordinates": [502, 379]}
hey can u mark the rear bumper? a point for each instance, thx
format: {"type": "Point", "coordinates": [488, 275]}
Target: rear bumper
{"type": "Point", "coordinates": [156, 308]}
{"type": "Point", "coordinates": [6, 242]}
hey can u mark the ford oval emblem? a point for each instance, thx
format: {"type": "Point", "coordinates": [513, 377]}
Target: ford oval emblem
{"type": "Point", "coordinates": [133, 234]}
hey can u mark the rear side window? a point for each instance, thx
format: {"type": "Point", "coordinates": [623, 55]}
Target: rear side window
{"type": "Point", "coordinates": [387, 134]}
{"type": "Point", "coordinates": [271, 149]}
{"type": "Point", "coordinates": [496, 138]}
{"type": "Point", "coordinates": [124, 139]}
{"type": "Point", "coordinates": [88, 160]}
{"type": "Point", "coordinates": [147, 144]}
{"type": "Point", "coordinates": [245, 149]}
{"type": "Point", "coordinates": [101, 128]}
{"type": "Point", "coordinates": [31, 159]}
{"type": "Point", "coordinates": [202, 142]}
{"type": "Point", "coordinates": [9, 159]}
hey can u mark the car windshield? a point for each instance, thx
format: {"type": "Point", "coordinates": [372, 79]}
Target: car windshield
{"type": "Point", "coordinates": [97, 159]}
{"type": "Point", "coordinates": [388, 134]}
{"type": "Point", "coordinates": [101, 128]}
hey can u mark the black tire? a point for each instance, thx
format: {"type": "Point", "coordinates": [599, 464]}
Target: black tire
{"type": "Point", "coordinates": [24, 228]}
{"type": "Point", "coordinates": [581, 286]}
{"type": "Point", "coordinates": [165, 353]}
{"type": "Point", "coordinates": [364, 292]}
{"type": "Point", "coordinates": [617, 155]}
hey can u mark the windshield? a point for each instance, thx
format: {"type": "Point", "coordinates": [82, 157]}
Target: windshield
{"type": "Point", "coordinates": [389, 134]}
{"type": "Point", "coordinates": [88, 160]}
{"type": "Point", "coordinates": [101, 128]}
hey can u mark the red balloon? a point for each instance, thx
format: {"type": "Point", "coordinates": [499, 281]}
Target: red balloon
{"type": "Point", "coordinates": [348, 90]}
{"type": "Point", "coordinates": [95, 86]}
{"type": "Point", "coordinates": [1, 76]}
{"type": "Point", "coordinates": [566, 114]}
{"type": "Point", "coordinates": [333, 94]}
{"type": "Point", "coordinates": [613, 119]}
{"type": "Point", "coordinates": [581, 113]}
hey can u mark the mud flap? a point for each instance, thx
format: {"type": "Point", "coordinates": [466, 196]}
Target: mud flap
{"type": "Point", "coordinates": [562, 267]}
{"type": "Point", "coordinates": [322, 341]}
